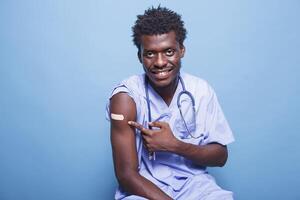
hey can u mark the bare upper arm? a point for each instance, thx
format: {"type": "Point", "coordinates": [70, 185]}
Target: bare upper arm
{"type": "Point", "coordinates": [122, 135]}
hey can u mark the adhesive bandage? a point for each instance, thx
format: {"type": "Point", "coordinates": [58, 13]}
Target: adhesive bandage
{"type": "Point", "coordinates": [119, 117]}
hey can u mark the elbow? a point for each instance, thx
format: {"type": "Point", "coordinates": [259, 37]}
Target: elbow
{"type": "Point", "coordinates": [125, 177]}
{"type": "Point", "coordinates": [223, 159]}
{"type": "Point", "coordinates": [222, 162]}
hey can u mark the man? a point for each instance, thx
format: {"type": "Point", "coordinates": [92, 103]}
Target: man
{"type": "Point", "coordinates": [161, 143]}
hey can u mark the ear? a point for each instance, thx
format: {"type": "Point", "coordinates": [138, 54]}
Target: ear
{"type": "Point", "coordinates": [182, 51]}
{"type": "Point", "coordinates": [139, 56]}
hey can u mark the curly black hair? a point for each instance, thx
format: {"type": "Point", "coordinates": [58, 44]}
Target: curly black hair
{"type": "Point", "coordinates": [156, 21]}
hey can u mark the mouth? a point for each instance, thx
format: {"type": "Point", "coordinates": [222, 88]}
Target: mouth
{"type": "Point", "coordinates": [162, 73]}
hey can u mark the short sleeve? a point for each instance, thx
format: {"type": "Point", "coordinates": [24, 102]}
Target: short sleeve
{"type": "Point", "coordinates": [217, 127]}
{"type": "Point", "coordinates": [117, 89]}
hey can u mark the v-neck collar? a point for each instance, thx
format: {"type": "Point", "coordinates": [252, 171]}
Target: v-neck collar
{"type": "Point", "coordinates": [162, 104]}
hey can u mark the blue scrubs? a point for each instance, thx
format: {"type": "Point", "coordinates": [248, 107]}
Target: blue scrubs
{"type": "Point", "coordinates": [179, 177]}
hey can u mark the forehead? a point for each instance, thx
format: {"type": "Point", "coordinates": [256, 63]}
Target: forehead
{"type": "Point", "coordinates": [158, 42]}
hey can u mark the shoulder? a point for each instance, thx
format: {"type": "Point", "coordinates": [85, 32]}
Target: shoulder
{"type": "Point", "coordinates": [132, 85]}
{"type": "Point", "coordinates": [134, 80]}
{"type": "Point", "coordinates": [197, 85]}
{"type": "Point", "coordinates": [125, 97]}
{"type": "Point", "coordinates": [135, 84]}
{"type": "Point", "coordinates": [123, 92]}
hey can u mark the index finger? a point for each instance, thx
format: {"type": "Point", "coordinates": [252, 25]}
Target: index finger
{"type": "Point", "coordinates": [158, 124]}
{"type": "Point", "coordinates": [139, 126]}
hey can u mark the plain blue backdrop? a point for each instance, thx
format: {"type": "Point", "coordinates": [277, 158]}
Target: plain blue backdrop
{"type": "Point", "coordinates": [59, 60]}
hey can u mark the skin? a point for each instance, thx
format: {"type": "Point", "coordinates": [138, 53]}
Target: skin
{"type": "Point", "coordinates": [160, 56]}
{"type": "Point", "coordinates": [124, 151]}
{"type": "Point", "coordinates": [162, 53]}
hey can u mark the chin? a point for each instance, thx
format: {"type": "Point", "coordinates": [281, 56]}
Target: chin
{"type": "Point", "coordinates": [163, 83]}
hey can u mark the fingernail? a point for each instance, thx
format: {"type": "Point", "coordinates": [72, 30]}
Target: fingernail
{"type": "Point", "coordinates": [129, 122]}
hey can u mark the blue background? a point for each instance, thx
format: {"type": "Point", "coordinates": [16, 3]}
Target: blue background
{"type": "Point", "coordinates": [60, 59]}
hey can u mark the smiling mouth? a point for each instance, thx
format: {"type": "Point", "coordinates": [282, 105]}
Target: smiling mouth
{"type": "Point", "coordinates": [162, 74]}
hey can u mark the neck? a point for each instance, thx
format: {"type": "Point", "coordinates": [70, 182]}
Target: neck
{"type": "Point", "coordinates": [168, 91]}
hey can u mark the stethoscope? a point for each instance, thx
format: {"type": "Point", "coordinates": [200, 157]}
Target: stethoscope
{"type": "Point", "coordinates": [183, 92]}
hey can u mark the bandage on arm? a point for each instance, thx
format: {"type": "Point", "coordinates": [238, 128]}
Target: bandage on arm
{"type": "Point", "coordinates": [118, 117]}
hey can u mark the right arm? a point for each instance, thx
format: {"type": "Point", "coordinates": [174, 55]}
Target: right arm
{"type": "Point", "coordinates": [124, 151]}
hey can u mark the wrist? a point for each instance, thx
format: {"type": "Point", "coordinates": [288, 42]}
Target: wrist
{"type": "Point", "coordinates": [175, 146]}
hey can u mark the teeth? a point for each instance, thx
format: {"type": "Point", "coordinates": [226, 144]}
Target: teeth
{"type": "Point", "coordinates": [159, 71]}
{"type": "Point", "coordinates": [162, 73]}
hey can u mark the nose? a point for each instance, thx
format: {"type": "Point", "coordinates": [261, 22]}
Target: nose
{"type": "Point", "coordinates": [161, 60]}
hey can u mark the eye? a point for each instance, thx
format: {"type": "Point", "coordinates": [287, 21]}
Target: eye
{"type": "Point", "coordinates": [149, 54]}
{"type": "Point", "coordinates": [170, 52]}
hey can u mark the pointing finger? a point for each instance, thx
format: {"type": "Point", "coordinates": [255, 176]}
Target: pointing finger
{"type": "Point", "coordinates": [139, 126]}
{"type": "Point", "coordinates": [157, 124]}
{"type": "Point", "coordinates": [135, 124]}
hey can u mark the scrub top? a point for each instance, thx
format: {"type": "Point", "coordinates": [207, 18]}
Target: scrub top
{"type": "Point", "coordinates": [169, 171]}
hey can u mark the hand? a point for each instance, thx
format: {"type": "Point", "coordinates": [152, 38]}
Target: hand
{"type": "Point", "coordinates": [161, 139]}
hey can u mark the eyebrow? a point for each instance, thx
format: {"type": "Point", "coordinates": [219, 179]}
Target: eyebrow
{"type": "Point", "coordinates": [173, 48]}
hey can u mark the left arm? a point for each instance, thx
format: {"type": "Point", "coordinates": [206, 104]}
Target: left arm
{"type": "Point", "coordinates": [212, 154]}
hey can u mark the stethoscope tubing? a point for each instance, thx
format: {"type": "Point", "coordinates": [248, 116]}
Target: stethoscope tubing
{"type": "Point", "coordinates": [184, 91]}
